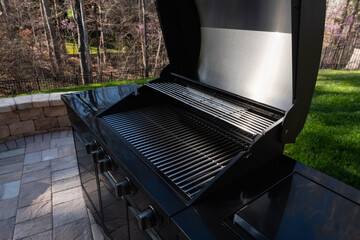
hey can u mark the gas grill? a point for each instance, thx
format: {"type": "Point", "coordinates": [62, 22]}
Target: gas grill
{"type": "Point", "coordinates": [197, 152]}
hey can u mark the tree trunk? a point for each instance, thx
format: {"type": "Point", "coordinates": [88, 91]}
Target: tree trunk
{"type": "Point", "coordinates": [84, 64]}
{"type": "Point", "coordinates": [144, 37]}
{"type": "Point", "coordinates": [99, 63]}
{"type": "Point", "coordinates": [158, 52]}
{"type": "Point", "coordinates": [58, 28]}
{"type": "Point", "coordinates": [101, 29]}
{"type": "Point", "coordinates": [52, 37]}
{"type": "Point", "coordinates": [47, 37]}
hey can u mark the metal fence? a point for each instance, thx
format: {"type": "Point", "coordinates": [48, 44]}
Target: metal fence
{"type": "Point", "coordinates": [344, 57]}
{"type": "Point", "coordinates": [20, 86]}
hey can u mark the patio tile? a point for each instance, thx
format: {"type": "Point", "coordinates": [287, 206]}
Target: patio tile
{"type": "Point", "coordinates": [14, 167]}
{"type": "Point", "coordinates": [67, 195]}
{"type": "Point", "coordinates": [67, 151]}
{"type": "Point", "coordinates": [10, 177]}
{"type": "Point", "coordinates": [55, 135]}
{"type": "Point", "coordinates": [31, 158]}
{"type": "Point", "coordinates": [9, 190]}
{"type": "Point", "coordinates": [70, 133]}
{"type": "Point", "coordinates": [29, 139]}
{"type": "Point", "coordinates": [32, 227]}
{"type": "Point", "coordinates": [50, 154]}
{"type": "Point", "coordinates": [12, 153]}
{"type": "Point", "coordinates": [46, 136]}
{"type": "Point", "coordinates": [75, 230]}
{"type": "Point", "coordinates": [7, 228]}
{"type": "Point", "coordinates": [65, 184]}
{"type": "Point", "coordinates": [63, 163]}
{"type": "Point", "coordinates": [36, 167]}
{"type": "Point", "coordinates": [8, 208]}
{"type": "Point", "coordinates": [20, 142]}
{"type": "Point", "coordinates": [63, 134]}
{"type": "Point", "coordinates": [38, 138]}
{"type": "Point", "coordinates": [34, 176]}
{"type": "Point", "coordinates": [63, 174]}
{"type": "Point", "coordinates": [35, 192]}
{"type": "Point", "coordinates": [3, 147]}
{"type": "Point", "coordinates": [33, 211]}
{"type": "Point", "coordinates": [37, 146]}
{"type": "Point", "coordinates": [11, 160]}
{"type": "Point", "coordinates": [61, 142]}
{"type": "Point", "coordinates": [68, 212]}
{"type": "Point", "coordinates": [11, 145]}
{"type": "Point", "coordinates": [41, 236]}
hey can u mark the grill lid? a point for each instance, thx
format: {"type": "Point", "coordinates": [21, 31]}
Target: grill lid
{"type": "Point", "coordinates": [263, 50]}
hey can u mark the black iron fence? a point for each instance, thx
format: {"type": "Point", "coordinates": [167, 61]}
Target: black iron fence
{"type": "Point", "coordinates": [20, 86]}
{"type": "Point", "coordinates": [344, 57]}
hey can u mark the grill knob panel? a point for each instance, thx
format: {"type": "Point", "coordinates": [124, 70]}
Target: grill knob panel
{"type": "Point", "coordinates": [91, 146]}
{"type": "Point", "coordinates": [123, 188]}
{"type": "Point", "coordinates": [147, 219]}
{"type": "Point", "coordinates": [98, 154]}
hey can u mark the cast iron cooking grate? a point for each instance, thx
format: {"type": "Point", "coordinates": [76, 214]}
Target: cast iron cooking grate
{"type": "Point", "coordinates": [181, 147]}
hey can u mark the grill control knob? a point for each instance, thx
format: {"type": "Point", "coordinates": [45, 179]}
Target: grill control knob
{"type": "Point", "coordinates": [98, 154]}
{"type": "Point", "coordinates": [147, 219]}
{"type": "Point", "coordinates": [123, 188]}
{"type": "Point", "coordinates": [90, 146]}
{"type": "Point", "coordinates": [105, 164]}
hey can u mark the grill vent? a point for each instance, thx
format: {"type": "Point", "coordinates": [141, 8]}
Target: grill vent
{"type": "Point", "coordinates": [235, 115]}
{"type": "Point", "coordinates": [188, 153]}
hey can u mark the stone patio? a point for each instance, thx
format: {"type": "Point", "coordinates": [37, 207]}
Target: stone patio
{"type": "Point", "coordinates": [40, 193]}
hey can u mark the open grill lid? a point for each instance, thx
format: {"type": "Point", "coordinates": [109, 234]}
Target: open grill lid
{"type": "Point", "coordinates": [264, 50]}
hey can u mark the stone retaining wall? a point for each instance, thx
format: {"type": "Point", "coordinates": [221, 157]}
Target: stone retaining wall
{"type": "Point", "coordinates": [31, 115]}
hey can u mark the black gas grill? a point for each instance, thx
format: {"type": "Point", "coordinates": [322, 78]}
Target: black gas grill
{"type": "Point", "coordinates": [197, 153]}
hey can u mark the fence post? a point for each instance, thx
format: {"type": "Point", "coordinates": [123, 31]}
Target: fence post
{"type": "Point", "coordinates": [38, 84]}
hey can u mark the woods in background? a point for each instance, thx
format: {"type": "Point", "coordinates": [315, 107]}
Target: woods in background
{"type": "Point", "coordinates": [56, 38]}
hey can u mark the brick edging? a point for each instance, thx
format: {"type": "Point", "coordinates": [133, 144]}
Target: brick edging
{"type": "Point", "coordinates": [32, 114]}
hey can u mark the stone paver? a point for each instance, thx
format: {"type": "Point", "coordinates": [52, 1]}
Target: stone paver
{"type": "Point", "coordinates": [10, 177]}
{"type": "Point", "coordinates": [8, 208]}
{"type": "Point", "coordinates": [68, 212]}
{"type": "Point", "coordinates": [40, 100]}
{"type": "Point", "coordinates": [50, 154]}
{"type": "Point", "coordinates": [35, 192]}
{"type": "Point", "coordinates": [23, 102]}
{"type": "Point", "coordinates": [33, 211]}
{"type": "Point", "coordinates": [11, 160]}
{"type": "Point", "coordinates": [63, 163]}
{"type": "Point", "coordinates": [80, 228]}
{"type": "Point", "coordinates": [12, 153]}
{"type": "Point", "coordinates": [67, 195]}
{"type": "Point", "coordinates": [32, 227]}
{"type": "Point", "coordinates": [34, 176]}
{"type": "Point", "coordinates": [9, 190]}
{"type": "Point", "coordinates": [40, 191]}
{"type": "Point", "coordinates": [31, 158]}
{"type": "Point", "coordinates": [7, 105]}
{"type": "Point", "coordinates": [65, 184]}
{"type": "Point", "coordinates": [7, 228]}
{"type": "Point", "coordinates": [67, 173]}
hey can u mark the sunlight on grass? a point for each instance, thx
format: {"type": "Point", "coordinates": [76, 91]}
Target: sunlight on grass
{"type": "Point", "coordinates": [71, 49]}
{"type": "Point", "coordinates": [330, 139]}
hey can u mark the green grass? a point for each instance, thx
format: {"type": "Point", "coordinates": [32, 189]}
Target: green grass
{"type": "Point", "coordinates": [71, 49]}
{"type": "Point", "coordinates": [330, 140]}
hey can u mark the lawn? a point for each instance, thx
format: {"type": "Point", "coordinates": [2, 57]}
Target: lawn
{"type": "Point", "coordinates": [71, 49]}
{"type": "Point", "coordinates": [330, 140]}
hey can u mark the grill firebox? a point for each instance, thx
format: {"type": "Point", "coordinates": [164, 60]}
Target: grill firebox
{"type": "Point", "coordinates": [186, 151]}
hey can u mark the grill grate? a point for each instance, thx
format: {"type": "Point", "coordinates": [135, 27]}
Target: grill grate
{"type": "Point", "coordinates": [186, 151]}
{"type": "Point", "coordinates": [236, 115]}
